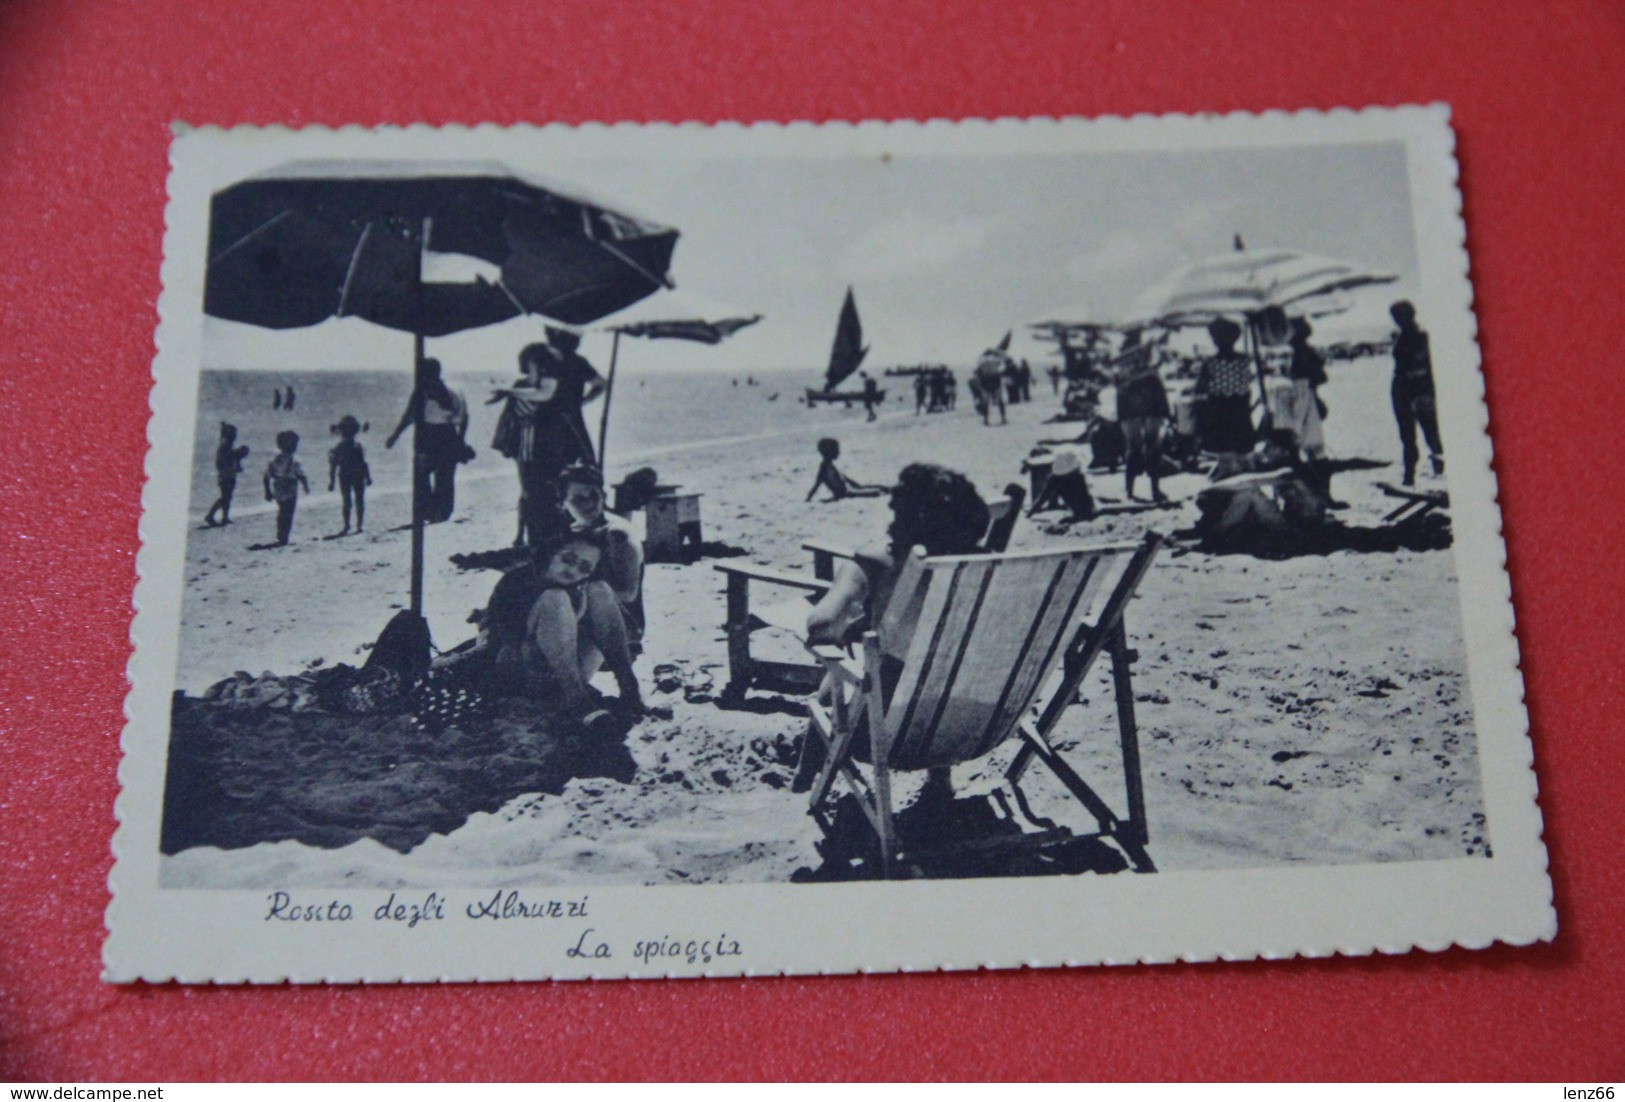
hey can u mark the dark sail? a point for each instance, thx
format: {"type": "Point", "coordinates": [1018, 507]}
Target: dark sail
{"type": "Point", "coordinates": [849, 349]}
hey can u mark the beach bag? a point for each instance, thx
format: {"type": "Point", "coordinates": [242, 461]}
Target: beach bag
{"type": "Point", "coordinates": [452, 691]}
{"type": "Point", "coordinates": [402, 648]}
{"type": "Point", "coordinates": [371, 693]}
{"type": "Point", "coordinates": [345, 690]}
{"type": "Point", "coordinates": [443, 698]}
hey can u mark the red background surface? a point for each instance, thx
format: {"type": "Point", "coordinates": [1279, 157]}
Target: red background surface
{"type": "Point", "coordinates": [87, 91]}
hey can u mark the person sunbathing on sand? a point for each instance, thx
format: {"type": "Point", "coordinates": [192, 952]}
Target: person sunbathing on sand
{"type": "Point", "coordinates": [1266, 506]}
{"type": "Point", "coordinates": [831, 478]}
{"type": "Point", "coordinates": [551, 624]}
{"type": "Point", "coordinates": [932, 508]}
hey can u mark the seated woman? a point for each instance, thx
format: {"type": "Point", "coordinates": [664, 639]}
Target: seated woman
{"type": "Point", "coordinates": [932, 508]}
{"type": "Point", "coordinates": [551, 625]}
{"type": "Point", "coordinates": [621, 566]}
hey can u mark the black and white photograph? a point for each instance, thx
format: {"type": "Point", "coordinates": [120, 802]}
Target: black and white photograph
{"type": "Point", "coordinates": [575, 526]}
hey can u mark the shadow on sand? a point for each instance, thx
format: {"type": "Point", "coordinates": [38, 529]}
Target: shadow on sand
{"type": "Point", "coordinates": [1426, 533]}
{"type": "Point", "coordinates": [240, 776]}
{"type": "Point", "coordinates": [506, 558]}
{"type": "Point", "coordinates": [761, 704]}
{"type": "Point", "coordinates": [960, 839]}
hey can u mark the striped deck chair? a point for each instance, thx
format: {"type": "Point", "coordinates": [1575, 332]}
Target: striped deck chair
{"type": "Point", "coordinates": [985, 648]}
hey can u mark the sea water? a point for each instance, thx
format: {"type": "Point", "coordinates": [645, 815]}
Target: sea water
{"type": "Point", "coordinates": [652, 415]}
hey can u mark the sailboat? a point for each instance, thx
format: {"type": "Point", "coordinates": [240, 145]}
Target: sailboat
{"type": "Point", "coordinates": [845, 356]}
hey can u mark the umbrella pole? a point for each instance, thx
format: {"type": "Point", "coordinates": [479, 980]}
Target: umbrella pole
{"type": "Point", "coordinates": [417, 478]}
{"type": "Point", "coordinates": [1257, 350]}
{"type": "Point", "coordinates": [419, 506]}
{"type": "Point", "coordinates": [609, 392]}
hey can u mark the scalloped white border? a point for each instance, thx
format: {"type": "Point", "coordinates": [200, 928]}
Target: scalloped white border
{"type": "Point", "coordinates": [216, 936]}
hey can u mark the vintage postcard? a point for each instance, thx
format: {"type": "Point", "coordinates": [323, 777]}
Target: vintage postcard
{"type": "Point", "coordinates": [738, 550]}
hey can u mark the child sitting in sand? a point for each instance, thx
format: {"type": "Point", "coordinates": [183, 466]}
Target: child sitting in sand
{"type": "Point", "coordinates": [347, 463]}
{"type": "Point", "coordinates": [831, 478]}
{"type": "Point", "coordinates": [1063, 486]}
{"type": "Point", "coordinates": [622, 563]}
{"type": "Point", "coordinates": [551, 625]}
{"type": "Point", "coordinates": [283, 479]}
{"type": "Point", "coordinates": [228, 464]}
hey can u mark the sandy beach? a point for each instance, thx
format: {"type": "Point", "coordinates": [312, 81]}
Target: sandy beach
{"type": "Point", "coordinates": [1306, 710]}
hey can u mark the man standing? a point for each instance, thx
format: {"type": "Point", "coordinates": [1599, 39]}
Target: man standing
{"type": "Point", "coordinates": [987, 384]}
{"type": "Point", "coordinates": [441, 415]}
{"type": "Point", "coordinates": [1412, 391]}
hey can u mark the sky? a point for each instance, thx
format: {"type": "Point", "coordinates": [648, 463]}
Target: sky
{"type": "Point", "coordinates": [945, 253]}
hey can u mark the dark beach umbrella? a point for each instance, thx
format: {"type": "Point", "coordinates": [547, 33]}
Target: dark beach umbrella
{"type": "Point", "coordinates": [346, 240]}
{"type": "Point", "coordinates": [680, 316]}
{"type": "Point", "coordinates": [308, 242]}
{"type": "Point", "coordinates": [698, 330]}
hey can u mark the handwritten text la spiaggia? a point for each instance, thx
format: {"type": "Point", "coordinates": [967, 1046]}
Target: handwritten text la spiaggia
{"type": "Point", "coordinates": [433, 908]}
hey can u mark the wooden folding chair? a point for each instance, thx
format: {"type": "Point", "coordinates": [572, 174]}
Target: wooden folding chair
{"type": "Point", "coordinates": [1001, 523]}
{"type": "Point", "coordinates": [979, 638]}
{"type": "Point", "coordinates": [1415, 504]}
{"type": "Point", "coordinates": [747, 671]}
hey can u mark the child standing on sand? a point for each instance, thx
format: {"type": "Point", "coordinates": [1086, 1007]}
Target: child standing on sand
{"type": "Point", "coordinates": [831, 478]}
{"type": "Point", "coordinates": [347, 464]}
{"type": "Point", "coordinates": [283, 479]}
{"type": "Point", "coordinates": [228, 464]}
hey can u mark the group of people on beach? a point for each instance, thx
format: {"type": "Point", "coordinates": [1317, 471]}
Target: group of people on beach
{"type": "Point", "coordinates": [442, 419]}
{"type": "Point", "coordinates": [936, 389]}
{"type": "Point", "coordinates": [284, 478]}
{"type": "Point", "coordinates": [1259, 428]}
{"type": "Point", "coordinates": [543, 430]}
{"type": "Point", "coordinates": [997, 381]}
{"type": "Point", "coordinates": [573, 604]}
{"type": "Point", "coordinates": [1265, 477]}
{"type": "Point", "coordinates": [571, 607]}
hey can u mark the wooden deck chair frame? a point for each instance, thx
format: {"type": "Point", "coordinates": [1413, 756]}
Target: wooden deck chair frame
{"type": "Point", "coordinates": [860, 696]}
{"type": "Point", "coordinates": [746, 671]}
{"type": "Point", "coordinates": [1001, 524]}
{"type": "Point", "coordinates": [1414, 504]}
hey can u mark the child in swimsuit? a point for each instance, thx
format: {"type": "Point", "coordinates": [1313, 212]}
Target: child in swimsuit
{"type": "Point", "coordinates": [347, 465]}
{"type": "Point", "coordinates": [831, 478]}
{"type": "Point", "coordinates": [228, 464]}
{"type": "Point", "coordinates": [283, 479]}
